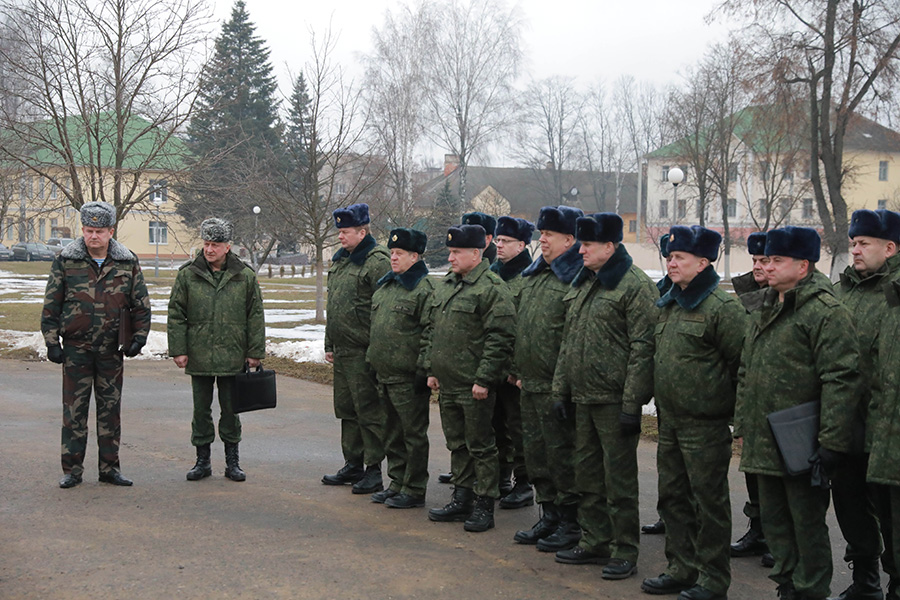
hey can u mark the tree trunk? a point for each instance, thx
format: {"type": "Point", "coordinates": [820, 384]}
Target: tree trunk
{"type": "Point", "coordinates": [320, 284]}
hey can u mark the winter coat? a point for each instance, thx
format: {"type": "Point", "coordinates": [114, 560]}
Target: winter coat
{"type": "Point", "coordinates": [699, 338]}
{"type": "Point", "coordinates": [884, 408]}
{"type": "Point", "coordinates": [401, 314]}
{"type": "Point", "coordinates": [473, 330]}
{"type": "Point", "coordinates": [352, 280]}
{"type": "Point", "coordinates": [607, 351]}
{"type": "Point", "coordinates": [217, 322]}
{"type": "Point", "coordinates": [798, 351]}
{"type": "Point", "coordinates": [83, 302]}
{"type": "Point", "coordinates": [749, 292]}
{"type": "Point", "coordinates": [511, 270]}
{"type": "Point", "coordinates": [541, 318]}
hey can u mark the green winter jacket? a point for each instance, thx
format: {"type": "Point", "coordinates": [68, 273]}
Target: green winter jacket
{"type": "Point", "coordinates": [83, 303]}
{"type": "Point", "coordinates": [473, 329]}
{"type": "Point", "coordinates": [541, 318]}
{"type": "Point", "coordinates": [511, 270]}
{"type": "Point", "coordinates": [748, 291]}
{"type": "Point", "coordinates": [699, 338]}
{"type": "Point", "coordinates": [216, 320]}
{"type": "Point", "coordinates": [607, 350]}
{"type": "Point", "coordinates": [401, 315]}
{"type": "Point", "coordinates": [798, 351]}
{"type": "Point", "coordinates": [884, 408]}
{"type": "Point", "coordinates": [352, 280]}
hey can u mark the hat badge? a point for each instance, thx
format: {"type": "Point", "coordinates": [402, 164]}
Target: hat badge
{"type": "Point", "coordinates": [338, 219]}
{"type": "Point", "coordinates": [449, 237]}
{"type": "Point", "coordinates": [95, 218]}
{"type": "Point", "coordinates": [394, 239]}
{"type": "Point", "coordinates": [672, 237]}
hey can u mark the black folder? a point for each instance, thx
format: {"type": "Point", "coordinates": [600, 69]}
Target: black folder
{"type": "Point", "coordinates": [796, 432]}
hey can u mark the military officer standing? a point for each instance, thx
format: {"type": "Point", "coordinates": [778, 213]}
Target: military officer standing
{"type": "Point", "coordinates": [874, 238]}
{"type": "Point", "coordinates": [606, 367]}
{"type": "Point", "coordinates": [489, 224]}
{"type": "Point", "coordinates": [548, 429]}
{"type": "Point", "coordinates": [467, 357]}
{"type": "Point", "coordinates": [401, 314]}
{"type": "Point", "coordinates": [94, 283]}
{"type": "Point", "coordinates": [513, 236]}
{"type": "Point", "coordinates": [698, 349]}
{"type": "Point", "coordinates": [799, 348]}
{"type": "Point", "coordinates": [352, 279]}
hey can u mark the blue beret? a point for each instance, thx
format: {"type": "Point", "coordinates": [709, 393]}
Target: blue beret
{"type": "Point", "coordinates": [882, 224]}
{"type": "Point", "coordinates": [560, 219]}
{"type": "Point", "coordinates": [756, 243]}
{"type": "Point", "coordinates": [520, 229]}
{"type": "Point", "coordinates": [796, 242]}
{"type": "Point", "coordinates": [355, 215]}
{"type": "Point", "coordinates": [411, 240]}
{"type": "Point", "coordinates": [98, 214]}
{"type": "Point", "coordinates": [664, 245]}
{"type": "Point", "coordinates": [599, 227]}
{"type": "Point", "coordinates": [695, 240]}
{"type": "Point", "coordinates": [466, 236]}
{"type": "Point", "coordinates": [487, 222]}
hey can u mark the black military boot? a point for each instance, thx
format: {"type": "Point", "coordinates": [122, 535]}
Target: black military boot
{"type": "Point", "coordinates": [458, 509]}
{"type": "Point", "coordinates": [350, 473]}
{"type": "Point", "coordinates": [232, 467]}
{"type": "Point", "coordinates": [866, 582]}
{"type": "Point", "coordinates": [567, 534]}
{"type": "Point", "coordinates": [506, 484]}
{"type": "Point", "coordinates": [522, 494]}
{"type": "Point", "coordinates": [371, 482]}
{"type": "Point", "coordinates": [482, 517]}
{"type": "Point", "coordinates": [545, 526]}
{"type": "Point", "coordinates": [203, 467]}
{"type": "Point", "coordinates": [752, 543]}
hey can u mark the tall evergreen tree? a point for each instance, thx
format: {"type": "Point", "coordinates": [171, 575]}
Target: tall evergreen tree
{"type": "Point", "coordinates": [443, 216]}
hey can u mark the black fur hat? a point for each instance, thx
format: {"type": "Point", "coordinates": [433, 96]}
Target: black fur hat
{"type": "Point", "coordinates": [599, 227]}
{"type": "Point", "coordinates": [466, 236]}
{"type": "Point", "coordinates": [882, 224]}
{"type": "Point", "coordinates": [664, 245]}
{"type": "Point", "coordinates": [756, 243]}
{"type": "Point", "coordinates": [560, 219]}
{"type": "Point", "coordinates": [796, 242]}
{"type": "Point", "coordinates": [411, 240]}
{"type": "Point", "coordinates": [487, 222]}
{"type": "Point", "coordinates": [695, 240]}
{"type": "Point", "coordinates": [355, 215]}
{"type": "Point", "coordinates": [520, 229]}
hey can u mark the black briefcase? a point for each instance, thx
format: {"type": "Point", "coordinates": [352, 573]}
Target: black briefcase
{"type": "Point", "coordinates": [796, 431]}
{"type": "Point", "coordinates": [253, 390]}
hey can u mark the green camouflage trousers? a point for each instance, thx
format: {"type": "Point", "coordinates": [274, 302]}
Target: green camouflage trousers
{"type": "Point", "coordinates": [692, 460]}
{"type": "Point", "coordinates": [887, 506]}
{"type": "Point", "coordinates": [606, 475]}
{"type": "Point", "coordinates": [202, 430]}
{"type": "Point", "coordinates": [470, 439]}
{"type": "Point", "coordinates": [84, 371]}
{"type": "Point", "coordinates": [508, 428]}
{"type": "Point", "coordinates": [793, 517]}
{"type": "Point", "coordinates": [406, 436]}
{"type": "Point", "coordinates": [357, 405]}
{"type": "Point", "coordinates": [549, 450]}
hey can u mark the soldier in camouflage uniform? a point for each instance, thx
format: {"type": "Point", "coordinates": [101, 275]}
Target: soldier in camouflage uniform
{"type": "Point", "coordinates": [466, 359]}
{"type": "Point", "coordinates": [548, 429]}
{"type": "Point", "coordinates": [215, 325]}
{"type": "Point", "coordinates": [698, 349]}
{"type": "Point", "coordinates": [352, 279]}
{"type": "Point", "coordinates": [489, 224]}
{"type": "Point", "coordinates": [401, 314]}
{"type": "Point", "coordinates": [513, 256]}
{"type": "Point", "coordinates": [606, 367]}
{"type": "Point", "coordinates": [91, 281]}
{"type": "Point", "coordinates": [799, 348]}
{"type": "Point", "coordinates": [874, 238]}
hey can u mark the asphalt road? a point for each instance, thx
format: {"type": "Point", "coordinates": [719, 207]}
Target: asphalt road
{"type": "Point", "coordinates": [280, 534]}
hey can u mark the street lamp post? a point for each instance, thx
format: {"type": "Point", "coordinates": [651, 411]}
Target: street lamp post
{"type": "Point", "coordinates": [676, 176]}
{"type": "Point", "coordinates": [256, 211]}
{"type": "Point", "coordinates": [157, 202]}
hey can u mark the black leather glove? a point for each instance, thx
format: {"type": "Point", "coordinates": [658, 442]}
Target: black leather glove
{"type": "Point", "coordinates": [564, 410]}
{"type": "Point", "coordinates": [420, 385]}
{"type": "Point", "coordinates": [134, 349]}
{"type": "Point", "coordinates": [630, 424]}
{"type": "Point", "coordinates": [830, 459]}
{"type": "Point", "coordinates": [55, 354]}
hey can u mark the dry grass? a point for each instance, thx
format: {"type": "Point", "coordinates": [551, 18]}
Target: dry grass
{"type": "Point", "coordinates": [20, 316]}
{"type": "Point", "coordinates": [308, 371]}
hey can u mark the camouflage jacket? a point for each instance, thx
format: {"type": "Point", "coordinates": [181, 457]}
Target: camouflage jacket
{"type": "Point", "coordinates": [798, 351]}
{"type": "Point", "coordinates": [401, 315]}
{"type": "Point", "coordinates": [699, 338]}
{"type": "Point", "coordinates": [865, 298]}
{"type": "Point", "coordinates": [352, 280]}
{"type": "Point", "coordinates": [83, 302]}
{"type": "Point", "coordinates": [473, 331]}
{"type": "Point", "coordinates": [511, 270]}
{"type": "Point", "coordinates": [542, 318]}
{"type": "Point", "coordinates": [884, 408]}
{"type": "Point", "coordinates": [607, 350]}
{"type": "Point", "coordinates": [749, 292]}
{"type": "Point", "coordinates": [216, 321]}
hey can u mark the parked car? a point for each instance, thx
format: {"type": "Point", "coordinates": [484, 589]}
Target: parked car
{"type": "Point", "coordinates": [5, 253]}
{"type": "Point", "coordinates": [57, 244]}
{"type": "Point", "coordinates": [32, 251]}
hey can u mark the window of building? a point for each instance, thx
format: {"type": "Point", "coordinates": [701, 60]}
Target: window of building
{"type": "Point", "coordinates": [632, 226]}
{"type": "Point", "coordinates": [763, 210]}
{"type": "Point", "coordinates": [784, 208]}
{"type": "Point", "coordinates": [159, 230]}
{"type": "Point", "coordinates": [682, 209]}
{"type": "Point", "coordinates": [732, 172]}
{"type": "Point", "coordinates": [808, 209]}
{"type": "Point", "coordinates": [341, 189]}
{"type": "Point", "coordinates": [10, 229]}
{"type": "Point", "coordinates": [665, 173]}
{"type": "Point", "coordinates": [25, 186]}
{"type": "Point", "coordinates": [663, 209]}
{"type": "Point", "coordinates": [764, 168]}
{"type": "Point", "coordinates": [53, 192]}
{"type": "Point", "coordinates": [732, 208]}
{"type": "Point", "coordinates": [882, 204]}
{"type": "Point", "coordinates": [700, 208]}
{"type": "Point", "coordinates": [42, 229]}
{"type": "Point", "coordinates": [159, 191]}
{"type": "Point", "coordinates": [883, 170]}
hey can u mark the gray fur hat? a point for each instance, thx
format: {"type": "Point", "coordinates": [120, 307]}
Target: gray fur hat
{"type": "Point", "coordinates": [215, 230]}
{"type": "Point", "coordinates": [98, 214]}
